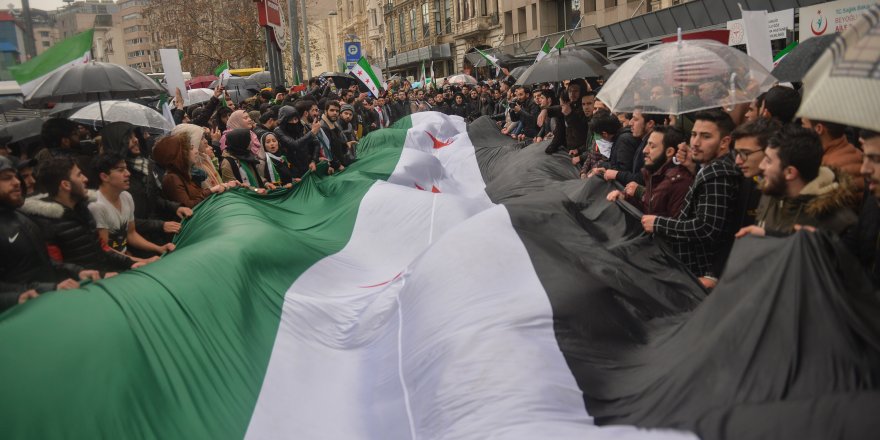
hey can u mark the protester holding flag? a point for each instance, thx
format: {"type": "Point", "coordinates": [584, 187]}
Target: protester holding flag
{"type": "Point", "coordinates": [239, 163]}
{"type": "Point", "coordinates": [177, 156]}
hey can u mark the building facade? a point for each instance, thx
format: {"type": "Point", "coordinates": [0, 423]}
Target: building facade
{"type": "Point", "coordinates": [11, 44]}
{"type": "Point", "coordinates": [45, 32]}
{"type": "Point", "coordinates": [132, 36]}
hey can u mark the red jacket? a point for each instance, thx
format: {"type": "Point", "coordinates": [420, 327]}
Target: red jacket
{"type": "Point", "coordinates": [665, 190]}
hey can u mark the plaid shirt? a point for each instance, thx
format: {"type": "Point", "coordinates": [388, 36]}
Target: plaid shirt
{"type": "Point", "coordinates": [705, 225]}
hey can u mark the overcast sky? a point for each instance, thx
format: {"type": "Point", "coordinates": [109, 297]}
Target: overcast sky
{"type": "Point", "coordinates": [36, 4]}
{"type": "Point", "coordinates": [315, 7]}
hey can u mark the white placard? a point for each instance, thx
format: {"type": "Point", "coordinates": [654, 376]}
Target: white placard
{"type": "Point", "coordinates": [757, 37]}
{"type": "Point", "coordinates": [173, 73]}
{"type": "Point", "coordinates": [777, 24]}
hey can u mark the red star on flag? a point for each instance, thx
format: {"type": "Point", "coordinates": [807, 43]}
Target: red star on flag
{"type": "Point", "coordinates": [438, 144]}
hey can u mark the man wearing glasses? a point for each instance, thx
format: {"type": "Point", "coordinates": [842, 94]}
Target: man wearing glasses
{"type": "Point", "coordinates": [750, 140]}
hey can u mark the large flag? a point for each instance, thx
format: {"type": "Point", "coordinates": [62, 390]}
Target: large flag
{"type": "Point", "coordinates": [545, 50]}
{"type": "Point", "coordinates": [491, 60]}
{"type": "Point", "coordinates": [364, 73]}
{"type": "Point", "coordinates": [450, 285]}
{"type": "Point", "coordinates": [74, 50]}
{"type": "Point", "coordinates": [222, 72]}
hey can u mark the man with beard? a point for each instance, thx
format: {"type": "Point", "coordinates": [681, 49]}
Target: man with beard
{"type": "Point", "coordinates": [864, 241]}
{"type": "Point", "coordinates": [440, 104]}
{"type": "Point", "coordinates": [666, 183]}
{"type": "Point", "coordinates": [703, 231]}
{"type": "Point", "coordinates": [524, 110]}
{"type": "Point", "coordinates": [346, 115]}
{"type": "Point", "coordinates": [401, 107]}
{"type": "Point", "coordinates": [383, 112]}
{"type": "Point", "coordinates": [369, 119]}
{"type": "Point", "coordinates": [113, 209]}
{"type": "Point", "coordinates": [334, 146]}
{"type": "Point", "coordinates": [625, 162]}
{"type": "Point", "coordinates": [25, 268]}
{"type": "Point", "coordinates": [61, 138]}
{"type": "Point", "coordinates": [65, 221]}
{"type": "Point", "coordinates": [798, 190]}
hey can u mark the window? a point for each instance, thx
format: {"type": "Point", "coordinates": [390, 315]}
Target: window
{"type": "Point", "coordinates": [131, 17]}
{"type": "Point", "coordinates": [426, 21]}
{"type": "Point", "coordinates": [534, 16]}
{"type": "Point", "coordinates": [401, 21]}
{"type": "Point", "coordinates": [46, 44]}
{"type": "Point", "coordinates": [484, 9]}
{"type": "Point", "coordinates": [438, 23]}
{"type": "Point", "coordinates": [412, 23]}
{"type": "Point", "coordinates": [373, 17]}
{"type": "Point", "coordinates": [508, 23]}
{"type": "Point", "coordinates": [44, 34]}
{"type": "Point", "coordinates": [448, 15]}
{"type": "Point", "coordinates": [465, 10]}
{"type": "Point", "coordinates": [391, 33]}
{"type": "Point", "coordinates": [520, 20]}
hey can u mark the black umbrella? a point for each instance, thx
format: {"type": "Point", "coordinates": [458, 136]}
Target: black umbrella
{"type": "Point", "coordinates": [7, 103]}
{"type": "Point", "coordinates": [340, 80]}
{"type": "Point", "coordinates": [795, 65]}
{"type": "Point", "coordinates": [564, 65]}
{"type": "Point", "coordinates": [517, 72]}
{"type": "Point", "coordinates": [263, 79]}
{"type": "Point", "coordinates": [22, 130]}
{"type": "Point", "coordinates": [93, 81]}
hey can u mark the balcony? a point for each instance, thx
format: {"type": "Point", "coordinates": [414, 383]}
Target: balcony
{"type": "Point", "coordinates": [476, 26]}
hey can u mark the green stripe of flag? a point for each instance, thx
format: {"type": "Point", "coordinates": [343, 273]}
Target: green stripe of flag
{"type": "Point", "coordinates": [74, 49]}
{"type": "Point", "coordinates": [185, 340]}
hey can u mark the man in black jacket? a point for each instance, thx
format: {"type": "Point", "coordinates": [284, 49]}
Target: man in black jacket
{"type": "Point", "coordinates": [25, 268]}
{"type": "Point", "coordinates": [298, 136]}
{"type": "Point", "coordinates": [401, 108]}
{"type": "Point", "coordinates": [626, 161]}
{"type": "Point", "coordinates": [574, 130]}
{"type": "Point", "coordinates": [524, 110]}
{"type": "Point", "coordinates": [65, 221]}
{"type": "Point", "coordinates": [334, 146]}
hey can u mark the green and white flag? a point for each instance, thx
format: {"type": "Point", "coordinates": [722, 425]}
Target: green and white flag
{"type": "Point", "coordinates": [560, 44]}
{"type": "Point", "coordinates": [779, 56]}
{"type": "Point", "coordinates": [491, 60]}
{"type": "Point", "coordinates": [364, 73]}
{"type": "Point", "coordinates": [545, 50]}
{"type": "Point", "coordinates": [222, 71]}
{"type": "Point", "coordinates": [70, 52]}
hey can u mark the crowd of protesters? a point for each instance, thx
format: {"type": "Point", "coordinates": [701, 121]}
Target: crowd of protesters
{"type": "Point", "coordinates": [92, 204]}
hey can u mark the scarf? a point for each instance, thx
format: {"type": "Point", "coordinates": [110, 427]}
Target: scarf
{"type": "Point", "coordinates": [273, 176]}
{"type": "Point", "coordinates": [604, 147]}
{"type": "Point", "coordinates": [247, 175]}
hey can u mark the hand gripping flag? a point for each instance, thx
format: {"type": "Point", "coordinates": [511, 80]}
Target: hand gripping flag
{"type": "Point", "coordinates": [364, 73]}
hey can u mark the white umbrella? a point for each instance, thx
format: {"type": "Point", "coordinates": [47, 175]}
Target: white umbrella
{"type": "Point", "coordinates": [844, 84]}
{"type": "Point", "coordinates": [460, 79]}
{"type": "Point", "coordinates": [690, 75]}
{"type": "Point", "coordinates": [195, 96]}
{"type": "Point", "coordinates": [124, 111]}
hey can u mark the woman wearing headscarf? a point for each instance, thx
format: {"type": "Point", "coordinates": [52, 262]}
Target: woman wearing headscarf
{"type": "Point", "coordinates": [175, 154]}
{"type": "Point", "coordinates": [278, 170]}
{"type": "Point", "coordinates": [241, 120]}
{"type": "Point", "coordinates": [238, 162]}
{"type": "Point", "coordinates": [205, 165]}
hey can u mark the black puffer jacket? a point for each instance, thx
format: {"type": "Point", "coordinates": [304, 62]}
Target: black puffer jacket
{"type": "Point", "coordinates": [24, 259]}
{"type": "Point", "coordinates": [151, 209]}
{"type": "Point", "coordinates": [71, 234]}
